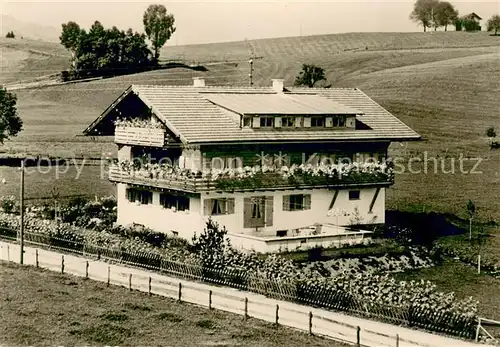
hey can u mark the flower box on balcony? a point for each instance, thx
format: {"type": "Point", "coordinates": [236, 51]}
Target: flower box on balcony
{"type": "Point", "coordinates": [151, 137]}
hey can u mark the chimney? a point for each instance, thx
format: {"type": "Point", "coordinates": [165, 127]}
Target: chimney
{"type": "Point", "coordinates": [198, 82]}
{"type": "Point", "coordinates": [278, 85]}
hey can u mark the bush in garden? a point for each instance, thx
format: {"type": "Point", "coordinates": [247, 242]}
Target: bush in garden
{"type": "Point", "coordinates": [8, 204]}
{"type": "Point", "coordinates": [210, 245]}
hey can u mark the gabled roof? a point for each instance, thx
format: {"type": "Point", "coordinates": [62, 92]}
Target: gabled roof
{"type": "Point", "coordinates": [195, 116]}
{"type": "Point", "coordinates": [472, 15]}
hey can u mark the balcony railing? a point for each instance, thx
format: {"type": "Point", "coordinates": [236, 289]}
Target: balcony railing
{"type": "Point", "coordinates": [151, 137]}
{"type": "Point", "coordinates": [252, 179]}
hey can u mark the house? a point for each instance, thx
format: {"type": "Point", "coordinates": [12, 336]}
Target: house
{"type": "Point", "coordinates": [281, 168]}
{"type": "Point", "coordinates": [469, 22]}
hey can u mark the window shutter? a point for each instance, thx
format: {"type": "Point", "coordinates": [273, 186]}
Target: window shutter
{"type": "Point", "coordinates": [286, 202]}
{"type": "Point", "coordinates": [298, 121]}
{"type": "Point", "coordinates": [247, 213]}
{"type": "Point", "coordinates": [230, 206]}
{"type": "Point", "coordinates": [269, 210]}
{"type": "Point", "coordinates": [307, 122]}
{"type": "Point", "coordinates": [328, 122]}
{"type": "Point", "coordinates": [277, 122]}
{"type": "Point", "coordinates": [256, 122]}
{"type": "Point", "coordinates": [351, 122]}
{"type": "Point", "coordinates": [207, 206]}
{"type": "Point", "coordinates": [307, 201]}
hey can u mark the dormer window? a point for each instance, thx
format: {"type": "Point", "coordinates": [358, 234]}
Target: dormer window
{"type": "Point", "coordinates": [266, 121]}
{"type": "Point", "coordinates": [288, 122]}
{"type": "Point", "coordinates": [341, 121]}
{"type": "Point", "coordinates": [317, 122]}
{"type": "Point", "coordinates": [247, 121]}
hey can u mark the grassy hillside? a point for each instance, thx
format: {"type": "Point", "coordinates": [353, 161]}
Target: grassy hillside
{"type": "Point", "coordinates": [25, 59]}
{"type": "Point", "coordinates": [444, 85]}
{"type": "Point", "coordinates": [48, 309]}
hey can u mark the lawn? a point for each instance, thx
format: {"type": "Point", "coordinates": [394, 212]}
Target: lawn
{"type": "Point", "coordinates": [44, 308]}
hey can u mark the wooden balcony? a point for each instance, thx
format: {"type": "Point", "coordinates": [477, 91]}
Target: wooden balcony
{"type": "Point", "coordinates": [150, 137]}
{"type": "Point", "coordinates": [260, 182]}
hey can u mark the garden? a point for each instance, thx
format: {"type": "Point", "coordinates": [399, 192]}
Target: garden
{"type": "Point", "coordinates": [359, 284]}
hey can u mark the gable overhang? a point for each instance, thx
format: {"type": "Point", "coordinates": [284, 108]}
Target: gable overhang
{"type": "Point", "coordinates": [90, 130]}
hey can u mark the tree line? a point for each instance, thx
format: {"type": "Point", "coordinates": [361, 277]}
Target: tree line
{"type": "Point", "coordinates": [436, 14]}
{"type": "Point", "coordinates": [108, 52]}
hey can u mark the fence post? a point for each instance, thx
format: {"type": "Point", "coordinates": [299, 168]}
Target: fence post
{"type": "Point", "coordinates": [310, 323]}
{"type": "Point", "coordinates": [8, 253]}
{"type": "Point", "coordinates": [87, 269]}
{"type": "Point", "coordinates": [358, 336]}
{"type": "Point", "coordinates": [246, 308]}
{"type": "Point", "coordinates": [277, 314]}
{"type": "Point", "coordinates": [478, 264]}
{"type": "Point", "coordinates": [130, 282]}
{"type": "Point", "coordinates": [149, 285]}
{"type": "Point", "coordinates": [109, 274]}
{"type": "Point", "coordinates": [62, 264]}
{"type": "Point", "coordinates": [180, 291]}
{"type": "Point", "coordinates": [397, 340]}
{"type": "Point", "coordinates": [210, 300]}
{"type": "Point", "coordinates": [478, 328]}
{"type": "Point", "coordinates": [36, 258]}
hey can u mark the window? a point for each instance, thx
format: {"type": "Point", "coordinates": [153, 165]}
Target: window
{"type": "Point", "coordinates": [296, 202]}
{"type": "Point", "coordinates": [224, 163]}
{"type": "Point", "coordinates": [180, 203]}
{"type": "Point", "coordinates": [317, 122]}
{"type": "Point", "coordinates": [281, 233]}
{"type": "Point", "coordinates": [288, 122]}
{"type": "Point", "coordinates": [341, 121]}
{"type": "Point", "coordinates": [335, 121]}
{"type": "Point", "coordinates": [215, 207]}
{"type": "Point", "coordinates": [266, 122]}
{"type": "Point", "coordinates": [143, 197]}
{"type": "Point", "coordinates": [247, 122]}
{"type": "Point", "coordinates": [354, 194]}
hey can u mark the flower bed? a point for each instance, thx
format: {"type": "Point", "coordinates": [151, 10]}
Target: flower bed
{"type": "Point", "coordinates": [268, 176]}
{"type": "Point", "coordinates": [138, 123]}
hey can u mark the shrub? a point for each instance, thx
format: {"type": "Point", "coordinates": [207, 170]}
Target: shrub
{"type": "Point", "coordinates": [210, 245]}
{"type": "Point", "coordinates": [8, 204]}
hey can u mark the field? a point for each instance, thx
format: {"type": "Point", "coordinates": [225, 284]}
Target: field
{"type": "Point", "coordinates": [444, 85]}
{"type": "Point", "coordinates": [72, 311]}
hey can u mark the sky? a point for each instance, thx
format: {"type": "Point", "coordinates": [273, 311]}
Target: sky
{"type": "Point", "coordinates": [204, 21]}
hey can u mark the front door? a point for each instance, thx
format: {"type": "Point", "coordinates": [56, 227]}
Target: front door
{"type": "Point", "coordinates": [258, 211]}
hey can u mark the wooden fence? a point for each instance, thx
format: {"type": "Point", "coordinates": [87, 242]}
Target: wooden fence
{"type": "Point", "coordinates": [303, 293]}
{"type": "Point", "coordinates": [211, 297]}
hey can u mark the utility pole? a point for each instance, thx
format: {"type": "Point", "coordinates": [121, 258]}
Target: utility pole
{"type": "Point", "coordinates": [251, 71]}
{"type": "Point", "coordinates": [21, 205]}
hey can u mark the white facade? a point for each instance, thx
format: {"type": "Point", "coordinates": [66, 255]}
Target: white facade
{"type": "Point", "coordinates": [186, 223]}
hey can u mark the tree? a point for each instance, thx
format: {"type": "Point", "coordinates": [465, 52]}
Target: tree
{"type": "Point", "coordinates": [445, 14]}
{"type": "Point", "coordinates": [10, 35]}
{"type": "Point", "coordinates": [471, 212]}
{"type": "Point", "coordinates": [490, 132]}
{"type": "Point", "coordinates": [210, 245]}
{"type": "Point", "coordinates": [10, 123]}
{"type": "Point", "coordinates": [423, 12]}
{"type": "Point", "coordinates": [103, 51]}
{"type": "Point", "coordinates": [309, 75]}
{"type": "Point", "coordinates": [159, 27]}
{"type": "Point", "coordinates": [494, 23]}
{"type": "Point", "coordinates": [71, 35]}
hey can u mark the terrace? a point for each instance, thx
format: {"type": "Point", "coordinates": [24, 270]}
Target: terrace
{"type": "Point", "coordinates": [253, 178]}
